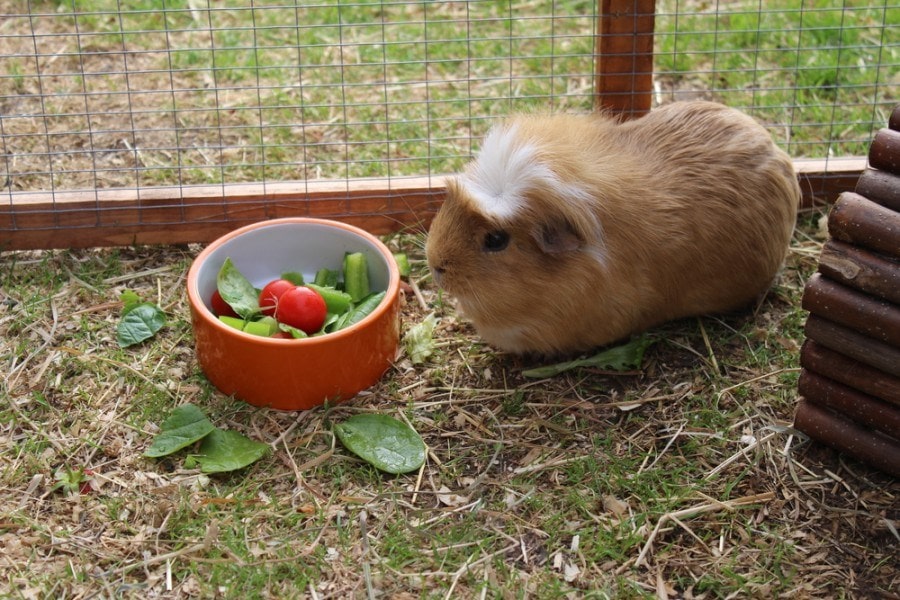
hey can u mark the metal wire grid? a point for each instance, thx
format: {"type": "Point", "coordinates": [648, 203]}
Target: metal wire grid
{"type": "Point", "coordinates": [101, 95]}
{"type": "Point", "coordinates": [218, 93]}
{"type": "Point", "coordinates": [824, 75]}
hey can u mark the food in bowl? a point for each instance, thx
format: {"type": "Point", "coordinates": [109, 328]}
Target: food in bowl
{"type": "Point", "coordinates": [294, 374]}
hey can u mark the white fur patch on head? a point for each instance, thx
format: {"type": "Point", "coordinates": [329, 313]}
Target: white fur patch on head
{"type": "Point", "coordinates": [504, 170]}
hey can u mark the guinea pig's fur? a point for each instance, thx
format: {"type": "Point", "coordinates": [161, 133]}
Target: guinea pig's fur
{"type": "Point", "coordinates": [569, 232]}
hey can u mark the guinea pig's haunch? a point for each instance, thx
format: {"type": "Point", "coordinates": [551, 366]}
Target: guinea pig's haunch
{"type": "Point", "coordinates": [569, 232]}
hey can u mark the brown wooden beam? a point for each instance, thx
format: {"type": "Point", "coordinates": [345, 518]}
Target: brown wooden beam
{"type": "Point", "coordinates": [123, 217]}
{"type": "Point", "coordinates": [624, 61]}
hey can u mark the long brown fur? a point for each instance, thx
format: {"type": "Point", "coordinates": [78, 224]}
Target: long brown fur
{"type": "Point", "coordinates": [686, 211]}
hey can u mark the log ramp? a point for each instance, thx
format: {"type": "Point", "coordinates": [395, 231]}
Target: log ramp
{"type": "Point", "coordinates": [849, 384]}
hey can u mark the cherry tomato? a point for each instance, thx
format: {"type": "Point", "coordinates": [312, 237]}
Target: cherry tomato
{"type": "Point", "coordinates": [303, 308]}
{"type": "Point", "coordinates": [282, 335]}
{"type": "Point", "coordinates": [268, 297]}
{"type": "Point", "coordinates": [221, 308]}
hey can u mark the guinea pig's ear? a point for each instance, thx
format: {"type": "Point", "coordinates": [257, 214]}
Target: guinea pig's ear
{"type": "Point", "coordinates": [556, 236]}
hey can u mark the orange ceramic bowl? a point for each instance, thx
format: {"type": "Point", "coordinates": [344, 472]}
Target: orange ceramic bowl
{"type": "Point", "coordinates": [302, 373]}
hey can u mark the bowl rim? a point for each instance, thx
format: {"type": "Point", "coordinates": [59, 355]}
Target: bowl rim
{"type": "Point", "coordinates": [200, 308]}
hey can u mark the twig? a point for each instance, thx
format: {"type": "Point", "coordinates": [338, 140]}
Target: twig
{"type": "Point", "coordinates": [547, 465]}
{"type": "Point", "coordinates": [697, 510]}
{"type": "Point", "coordinates": [752, 379]}
{"type": "Point", "coordinates": [742, 452]}
{"type": "Point", "coordinates": [367, 571]}
{"type": "Point", "coordinates": [709, 349]}
{"type": "Point", "coordinates": [212, 532]}
{"type": "Point", "coordinates": [470, 563]}
{"type": "Point", "coordinates": [665, 449]}
{"type": "Point", "coordinates": [418, 294]}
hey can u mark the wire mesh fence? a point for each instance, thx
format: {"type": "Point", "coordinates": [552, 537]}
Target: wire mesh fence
{"type": "Point", "coordinates": [110, 110]}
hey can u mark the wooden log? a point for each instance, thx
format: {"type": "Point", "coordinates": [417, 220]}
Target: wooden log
{"type": "Point", "coordinates": [884, 152]}
{"type": "Point", "coordinates": [880, 187]}
{"type": "Point", "coordinates": [870, 447]}
{"type": "Point", "coordinates": [894, 120]}
{"type": "Point", "coordinates": [817, 358]}
{"type": "Point", "coordinates": [860, 269]}
{"type": "Point", "coordinates": [877, 319]}
{"type": "Point", "coordinates": [857, 346]}
{"type": "Point", "coordinates": [861, 222]}
{"type": "Point", "coordinates": [861, 408]}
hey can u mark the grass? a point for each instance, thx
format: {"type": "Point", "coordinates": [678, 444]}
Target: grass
{"type": "Point", "coordinates": [803, 67]}
{"type": "Point", "coordinates": [589, 484]}
{"type": "Point", "coordinates": [167, 94]}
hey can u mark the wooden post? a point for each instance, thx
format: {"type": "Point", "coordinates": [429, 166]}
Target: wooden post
{"type": "Point", "coordinates": [872, 317]}
{"type": "Point", "coordinates": [861, 270]}
{"type": "Point", "coordinates": [817, 358]}
{"type": "Point", "coordinates": [881, 187]}
{"type": "Point", "coordinates": [859, 221]}
{"type": "Point", "coordinates": [878, 450]}
{"type": "Point", "coordinates": [884, 153]}
{"type": "Point", "coordinates": [624, 57]}
{"type": "Point", "coordinates": [862, 408]}
{"type": "Point", "coordinates": [853, 344]}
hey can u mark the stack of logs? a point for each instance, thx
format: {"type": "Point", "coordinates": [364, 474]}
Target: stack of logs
{"type": "Point", "coordinates": [850, 378]}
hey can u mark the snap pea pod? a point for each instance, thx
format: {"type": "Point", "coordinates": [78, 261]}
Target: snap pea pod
{"type": "Point", "coordinates": [360, 311]}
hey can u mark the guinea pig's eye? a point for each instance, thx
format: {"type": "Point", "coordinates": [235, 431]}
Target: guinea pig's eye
{"type": "Point", "coordinates": [494, 241]}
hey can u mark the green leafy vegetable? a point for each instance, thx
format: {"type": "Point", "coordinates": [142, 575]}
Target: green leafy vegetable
{"type": "Point", "coordinates": [225, 450]}
{"type": "Point", "coordinates": [360, 311]}
{"type": "Point", "coordinates": [237, 290]}
{"type": "Point", "coordinates": [140, 322]}
{"type": "Point", "coordinates": [384, 442]}
{"type": "Point", "coordinates": [130, 300]}
{"type": "Point", "coordinates": [293, 277]}
{"type": "Point", "coordinates": [402, 264]}
{"type": "Point", "coordinates": [419, 339]}
{"type": "Point", "coordinates": [184, 426]}
{"type": "Point", "coordinates": [619, 358]}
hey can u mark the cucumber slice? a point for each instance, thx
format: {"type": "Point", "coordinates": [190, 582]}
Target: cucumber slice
{"type": "Point", "coordinates": [265, 327]}
{"type": "Point", "coordinates": [327, 278]}
{"type": "Point", "coordinates": [356, 276]}
{"type": "Point", "coordinates": [236, 322]}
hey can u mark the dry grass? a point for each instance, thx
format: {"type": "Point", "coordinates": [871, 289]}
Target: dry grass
{"type": "Point", "coordinates": [681, 480]}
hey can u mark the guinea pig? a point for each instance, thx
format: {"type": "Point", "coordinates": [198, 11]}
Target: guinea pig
{"type": "Point", "coordinates": [568, 232]}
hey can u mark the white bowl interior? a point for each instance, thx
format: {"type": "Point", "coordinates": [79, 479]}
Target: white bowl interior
{"type": "Point", "coordinates": [264, 253]}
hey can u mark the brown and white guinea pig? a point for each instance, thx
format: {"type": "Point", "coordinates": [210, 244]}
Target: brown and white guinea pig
{"type": "Point", "coordinates": [569, 232]}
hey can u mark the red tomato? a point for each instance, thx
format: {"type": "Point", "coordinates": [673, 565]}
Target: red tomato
{"type": "Point", "coordinates": [282, 335]}
{"type": "Point", "coordinates": [303, 308]}
{"type": "Point", "coordinates": [268, 297]}
{"type": "Point", "coordinates": [221, 308]}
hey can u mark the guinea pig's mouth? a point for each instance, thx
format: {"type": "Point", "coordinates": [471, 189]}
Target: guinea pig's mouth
{"type": "Point", "coordinates": [437, 275]}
